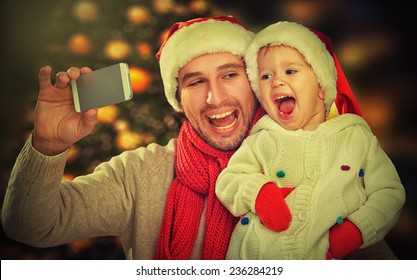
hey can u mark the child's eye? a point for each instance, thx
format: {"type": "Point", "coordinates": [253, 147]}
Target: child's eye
{"type": "Point", "coordinates": [290, 71]}
{"type": "Point", "coordinates": [266, 76]}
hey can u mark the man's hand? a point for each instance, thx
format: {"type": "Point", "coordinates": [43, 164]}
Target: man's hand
{"type": "Point", "coordinates": [57, 124]}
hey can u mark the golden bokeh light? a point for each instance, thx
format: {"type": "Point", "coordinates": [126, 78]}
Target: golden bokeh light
{"type": "Point", "coordinates": [137, 14]}
{"type": "Point", "coordinates": [79, 43]}
{"type": "Point", "coordinates": [107, 114]}
{"type": "Point", "coordinates": [85, 11]}
{"type": "Point", "coordinates": [117, 49]}
{"type": "Point", "coordinates": [140, 79]}
{"type": "Point", "coordinates": [144, 50]}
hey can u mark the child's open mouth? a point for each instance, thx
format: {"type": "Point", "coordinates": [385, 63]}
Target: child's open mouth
{"type": "Point", "coordinates": [285, 105]}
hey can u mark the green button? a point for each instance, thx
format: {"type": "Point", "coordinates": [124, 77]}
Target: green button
{"type": "Point", "coordinates": [280, 174]}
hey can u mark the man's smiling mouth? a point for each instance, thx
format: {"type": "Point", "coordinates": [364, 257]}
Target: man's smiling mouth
{"type": "Point", "coordinates": [224, 120]}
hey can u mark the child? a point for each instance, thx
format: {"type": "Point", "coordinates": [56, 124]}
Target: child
{"type": "Point", "coordinates": [306, 187]}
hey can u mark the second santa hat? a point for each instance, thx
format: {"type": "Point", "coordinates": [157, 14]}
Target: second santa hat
{"type": "Point", "coordinates": [307, 43]}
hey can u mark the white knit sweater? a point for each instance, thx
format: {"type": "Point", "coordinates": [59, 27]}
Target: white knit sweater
{"type": "Point", "coordinates": [338, 170]}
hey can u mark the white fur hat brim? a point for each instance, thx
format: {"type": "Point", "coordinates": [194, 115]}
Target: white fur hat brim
{"type": "Point", "coordinates": [205, 37]}
{"type": "Point", "coordinates": [307, 43]}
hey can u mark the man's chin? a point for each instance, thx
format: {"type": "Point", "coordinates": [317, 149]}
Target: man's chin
{"type": "Point", "coordinates": [221, 139]}
{"type": "Point", "coordinates": [225, 143]}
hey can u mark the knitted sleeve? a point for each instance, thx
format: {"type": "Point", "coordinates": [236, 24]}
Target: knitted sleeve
{"type": "Point", "coordinates": [239, 183]}
{"type": "Point", "coordinates": [42, 210]}
{"type": "Point", "coordinates": [384, 191]}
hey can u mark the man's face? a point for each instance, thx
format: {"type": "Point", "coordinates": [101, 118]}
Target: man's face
{"type": "Point", "coordinates": [216, 97]}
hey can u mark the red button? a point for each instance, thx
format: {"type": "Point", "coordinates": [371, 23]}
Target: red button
{"type": "Point", "coordinates": [345, 167]}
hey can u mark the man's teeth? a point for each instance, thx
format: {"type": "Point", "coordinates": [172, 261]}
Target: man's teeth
{"type": "Point", "coordinates": [219, 116]}
{"type": "Point", "coordinates": [227, 126]}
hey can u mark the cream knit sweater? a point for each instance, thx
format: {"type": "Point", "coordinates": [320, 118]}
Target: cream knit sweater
{"type": "Point", "coordinates": [338, 170]}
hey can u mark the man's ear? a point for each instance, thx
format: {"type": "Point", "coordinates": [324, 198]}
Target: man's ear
{"type": "Point", "coordinates": [180, 105]}
{"type": "Point", "coordinates": [178, 97]}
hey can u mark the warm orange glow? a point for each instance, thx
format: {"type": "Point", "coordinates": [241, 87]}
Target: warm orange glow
{"type": "Point", "coordinates": [198, 6]}
{"type": "Point", "coordinates": [137, 14]}
{"type": "Point", "coordinates": [163, 6]}
{"type": "Point", "coordinates": [117, 50]}
{"type": "Point", "coordinates": [127, 140]}
{"type": "Point", "coordinates": [144, 50]}
{"type": "Point", "coordinates": [107, 114]}
{"type": "Point", "coordinates": [140, 79]}
{"type": "Point", "coordinates": [72, 154]}
{"type": "Point", "coordinates": [378, 112]}
{"type": "Point", "coordinates": [163, 36]}
{"type": "Point", "coordinates": [79, 44]}
{"type": "Point", "coordinates": [68, 176]}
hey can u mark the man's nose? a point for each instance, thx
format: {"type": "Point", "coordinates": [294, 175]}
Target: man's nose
{"type": "Point", "coordinates": [216, 94]}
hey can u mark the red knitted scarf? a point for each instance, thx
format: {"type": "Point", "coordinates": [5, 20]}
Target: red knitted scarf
{"type": "Point", "coordinates": [197, 167]}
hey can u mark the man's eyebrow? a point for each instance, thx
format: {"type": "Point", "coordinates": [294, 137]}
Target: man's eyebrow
{"type": "Point", "coordinates": [230, 66]}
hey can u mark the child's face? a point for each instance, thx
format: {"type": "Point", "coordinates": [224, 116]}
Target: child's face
{"type": "Point", "coordinates": [289, 90]}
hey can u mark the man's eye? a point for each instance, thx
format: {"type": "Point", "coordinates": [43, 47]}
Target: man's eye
{"type": "Point", "coordinates": [195, 83]}
{"type": "Point", "coordinates": [230, 75]}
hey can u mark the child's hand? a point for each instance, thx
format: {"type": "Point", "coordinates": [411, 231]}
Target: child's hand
{"type": "Point", "coordinates": [344, 238]}
{"type": "Point", "coordinates": [272, 208]}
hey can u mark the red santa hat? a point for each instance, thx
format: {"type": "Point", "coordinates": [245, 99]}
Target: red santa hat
{"type": "Point", "coordinates": [345, 100]}
{"type": "Point", "coordinates": [190, 39]}
{"type": "Point", "coordinates": [318, 53]}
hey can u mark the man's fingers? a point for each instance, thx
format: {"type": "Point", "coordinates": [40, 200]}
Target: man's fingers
{"type": "Point", "coordinates": [45, 77]}
{"type": "Point", "coordinates": [62, 80]}
{"type": "Point", "coordinates": [85, 70]}
{"type": "Point", "coordinates": [74, 72]}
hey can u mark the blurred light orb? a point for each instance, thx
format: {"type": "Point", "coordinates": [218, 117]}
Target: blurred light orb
{"type": "Point", "coordinates": [85, 11]}
{"type": "Point", "coordinates": [128, 140]}
{"type": "Point", "coordinates": [144, 50]}
{"type": "Point", "coordinates": [360, 51]}
{"type": "Point", "coordinates": [137, 14]}
{"type": "Point", "coordinates": [107, 114]}
{"type": "Point", "coordinates": [163, 36]}
{"type": "Point", "coordinates": [163, 6]}
{"type": "Point", "coordinates": [198, 6]}
{"type": "Point", "coordinates": [79, 44]}
{"type": "Point", "coordinates": [73, 153]}
{"type": "Point", "coordinates": [117, 50]}
{"type": "Point", "coordinates": [68, 177]}
{"type": "Point", "coordinates": [379, 113]}
{"type": "Point", "coordinates": [121, 125]}
{"type": "Point", "coordinates": [140, 79]}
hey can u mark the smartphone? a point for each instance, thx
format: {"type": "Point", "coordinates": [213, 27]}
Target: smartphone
{"type": "Point", "coordinates": [102, 87]}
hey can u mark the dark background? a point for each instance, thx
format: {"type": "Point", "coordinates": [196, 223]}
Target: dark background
{"type": "Point", "coordinates": [373, 41]}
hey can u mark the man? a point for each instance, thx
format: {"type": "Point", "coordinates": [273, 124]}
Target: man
{"type": "Point", "coordinates": [159, 200]}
